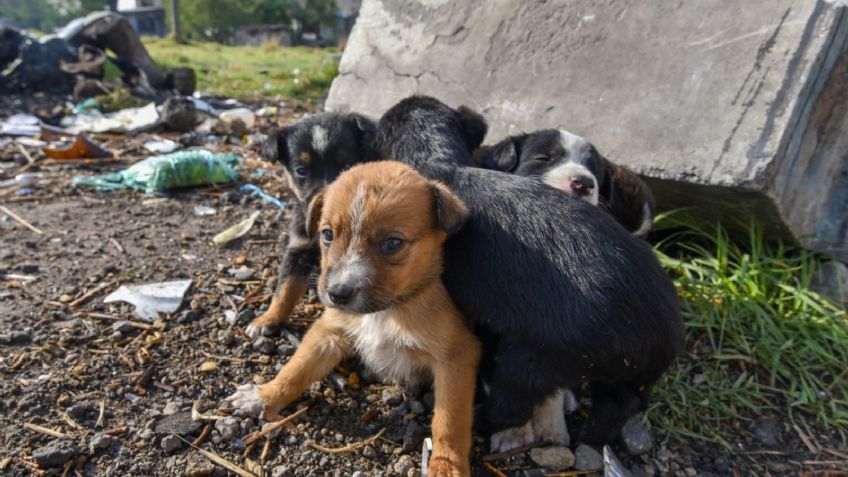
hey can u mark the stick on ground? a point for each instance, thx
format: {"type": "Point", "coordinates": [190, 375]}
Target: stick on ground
{"type": "Point", "coordinates": [20, 220]}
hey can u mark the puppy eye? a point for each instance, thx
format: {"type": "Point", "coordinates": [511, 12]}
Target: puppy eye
{"type": "Point", "coordinates": [300, 171]}
{"type": "Point", "coordinates": [541, 157]}
{"type": "Point", "coordinates": [391, 245]}
{"type": "Point", "coordinates": [327, 236]}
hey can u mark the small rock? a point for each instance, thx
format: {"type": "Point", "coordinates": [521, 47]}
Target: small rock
{"type": "Point", "coordinates": [690, 472]}
{"type": "Point", "coordinates": [102, 442]}
{"type": "Point", "coordinates": [286, 349]}
{"type": "Point", "coordinates": [171, 444]}
{"type": "Point", "coordinates": [146, 434]}
{"type": "Point", "coordinates": [417, 407]}
{"type": "Point", "coordinates": [242, 273]}
{"type": "Point", "coordinates": [172, 407]}
{"type": "Point", "coordinates": [403, 465]}
{"type": "Point", "coordinates": [28, 268]}
{"type": "Point", "coordinates": [553, 457]}
{"type": "Point", "coordinates": [55, 453]}
{"type": "Point", "coordinates": [587, 458]}
{"type": "Point", "coordinates": [198, 465]}
{"type": "Point", "coordinates": [265, 345]}
{"type": "Point", "coordinates": [246, 316]}
{"type": "Point", "coordinates": [392, 396]}
{"type": "Point", "coordinates": [369, 452]}
{"type": "Point", "coordinates": [180, 423]}
{"type": "Point", "coordinates": [358, 473]}
{"type": "Point", "coordinates": [768, 432]}
{"type": "Point", "coordinates": [229, 427]}
{"type": "Point", "coordinates": [123, 327]}
{"type": "Point", "coordinates": [830, 280]}
{"type": "Point", "coordinates": [413, 436]}
{"type": "Point", "coordinates": [281, 471]}
{"type": "Point", "coordinates": [188, 316]}
{"type": "Point", "coordinates": [636, 438]}
{"type": "Point", "coordinates": [79, 411]}
{"type": "Point", "coordinates": [291, 440]}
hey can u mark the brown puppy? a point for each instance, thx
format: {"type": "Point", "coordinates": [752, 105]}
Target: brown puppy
{"type": "Point", "coordinates": [382, 226]}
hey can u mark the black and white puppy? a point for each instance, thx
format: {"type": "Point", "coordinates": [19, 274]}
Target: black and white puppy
{"type": "Point", "coordinates": [312, 152]}
{"type": "Point", "coordinates": [560, 295]}
{"type": "Point", "coordinates": [572, 164]}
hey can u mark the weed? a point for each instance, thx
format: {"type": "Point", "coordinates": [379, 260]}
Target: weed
{"type": "Point", "coordinates": [759, 341]}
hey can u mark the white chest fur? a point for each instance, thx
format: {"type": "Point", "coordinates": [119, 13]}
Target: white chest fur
{"type": "Point", "coordinates": [386, 348]}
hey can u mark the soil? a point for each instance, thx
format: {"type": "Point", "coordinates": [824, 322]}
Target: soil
{"type": "Point", "coordinates": [85, 369]}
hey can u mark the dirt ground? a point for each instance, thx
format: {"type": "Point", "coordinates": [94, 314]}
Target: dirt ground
{"type": "Point", "coordinates": [74, 366]}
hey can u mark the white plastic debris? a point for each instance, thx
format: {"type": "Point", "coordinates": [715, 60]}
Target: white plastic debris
{"type": "Point", "coordinates": [123, 121]}
{"type": "Point", "coordinates": [161, 146]}
{"type": "Point", "coordinates": [202, 210]}
{"type": "Point", "coordinates": [153, 298]}
{"type": "Point", "coordinates": [426, 448]}
{"type": "Point", "coordinates": [21, 125]}
{"type": "Point", "coordinates": [612, 466]}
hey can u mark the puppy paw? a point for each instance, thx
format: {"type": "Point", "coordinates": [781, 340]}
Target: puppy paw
{"type": "Point", "coordinates": [513, 437]}
{"type": "Point", "coordinates": [246, 398]}
{"type": "Point", "coordinates": [571, 402]}
{"type": "Point", "coordinates": [549, 420]}
{"type": "Point", "coordinates": [441, 467]}
{"type": "Point", "coordinates": [265, 325]}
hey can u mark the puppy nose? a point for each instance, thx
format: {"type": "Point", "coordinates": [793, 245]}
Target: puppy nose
{"type": "Point", "coordinates": [582, 185]}
{"type": "Point", "coordinates": [341, 294]}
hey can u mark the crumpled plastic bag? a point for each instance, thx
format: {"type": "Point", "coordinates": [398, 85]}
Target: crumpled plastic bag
{"type": "Point", "coordinates": [171, 171]}
{"type": "Point", "coordinates": [152, 298]}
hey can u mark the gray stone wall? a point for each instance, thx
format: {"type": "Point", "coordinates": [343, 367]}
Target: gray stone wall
{"type": "Point", "coordinates": [738, 108]}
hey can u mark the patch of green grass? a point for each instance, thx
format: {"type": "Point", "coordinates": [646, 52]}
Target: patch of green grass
{"type": "Point", "coordinates": [251, 72]}
{"type": "Point", "coordinates": [762, 341]}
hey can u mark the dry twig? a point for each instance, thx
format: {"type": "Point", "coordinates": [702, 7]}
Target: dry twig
{"type": "Point", "coordinates": [494, 469]}
{"type": "Point", "coordinates": [348, 448]}
{"type": "Point", "coordinates": [44, 430]}
{"type": "Point", "coordinates": [220, 461]}
{"type": "Point", "coordinates": [269, 429]}
{"type": "Point", "coordinates": [20, 220]}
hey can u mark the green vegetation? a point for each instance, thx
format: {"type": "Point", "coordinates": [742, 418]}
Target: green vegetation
{"type": "Point", "coordinates": [46, 15]}
{"type": "Point", "coordinates": [250, 73]}
{"type": "Point", "coordinates": [760, 342]}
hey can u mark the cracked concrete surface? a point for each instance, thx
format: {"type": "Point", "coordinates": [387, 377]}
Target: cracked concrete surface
{"type": "Point", "coordinates": [726, 106]}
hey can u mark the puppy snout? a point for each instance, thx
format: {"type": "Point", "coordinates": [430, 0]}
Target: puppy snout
{"type": "Point", "coordinates": [341, 293]}
{"type": "Point", "coordinates": [581, 185]}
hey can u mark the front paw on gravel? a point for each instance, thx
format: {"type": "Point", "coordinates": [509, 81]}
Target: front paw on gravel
{"type": "Point", "coordinates": [258, 328]}
{"type": "Point", "coordinates": [246, 398]}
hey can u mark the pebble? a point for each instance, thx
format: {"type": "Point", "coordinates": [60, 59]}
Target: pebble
{"type": "Point", "coordinates": [413, 436]}
{"type": "Point", "coordinates": [369, 452]}
{"type": "Point", "coordinates": [102, 442]}
{"type": "Point", "coordinates": [404, 464]}
{"type": "Point", "coordinates": [291, 440]}
{"type": "Point", "coordinates": [28, 268]}
{"type": "Point", "coordinates": [587, 458]}
{"type": "Point", "coordinates": [79, 411]}
{"type": "Point", "coordinates": [358, 473]}
{"type": "Point", "coordinates": [265, 345]}
{"type": "Point", "coordinates": [229, 428]}
{"type": "Point", "coordinates": [242, 273]}
{"type": "Point", "coordinates": [392, 396]}
{"type": "Point", "coordinates": [636, 438]}
{"type": "Point", "coordinates": [180, 423]}
{"type": "Point", "coordinates": [553, 457]}
{"type": "Point", "coordinates": [198, 466]}
{"type": "Point", "coordinates": [281, 471]}
{"type": "Point", "coordinates": [55, 453]}
{"type": "Point", "coordinates": [417, 407]}
{"type": "Point", "coordinates": [188, 316]}
{"type": "Point", "coordinates": [171, 444]}
{"type": "Point", "coordinates": [123, 327]}
{"type": "Point", "coordinates": [172, 407]}
{"type": "Point", "coordinates": [16, 338]}
{"type": "Point", "coordinates": [768, 432]}
{"type": "Point", "coordinates": [246, 316]}
{"type": "Point", "coordinates": [286, 349]}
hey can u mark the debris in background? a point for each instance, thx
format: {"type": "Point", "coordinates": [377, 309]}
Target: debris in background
{"type": "Point", "coordinates": [202, 210]}
{"type": "Point", "coordinates": [612, 466]}
{"type": "Point", "coordinates": [180, 114]}
{"type": "Point", "coordinates": [127, 120]}
{"type": "Point", "coordinates": [256, 191]}
{"type": "Point", "coordinates": [118, 100]}
{"type": "Point", "coordinates": [236, 231]}
{"type": "Point", "coordinates": [81, 148]}
{"type": "Point", "coordinates": [161, 146]}
{"type": "Point", "coordinates": [151, 299]}
{"type": "Point", "coordinates": [21, 125]}
{"type": "Point", "coordinates": [163, 173]}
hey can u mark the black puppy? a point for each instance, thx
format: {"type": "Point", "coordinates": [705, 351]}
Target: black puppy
{"type": "Point", "coordinates": [572, 164]}
{"type": "Point", "coordinates": [560, 294]}
{"type": "Point", "coordinates": [313, 152]}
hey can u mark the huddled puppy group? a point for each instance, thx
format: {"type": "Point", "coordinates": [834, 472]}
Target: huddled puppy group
{"type": "Point", "coordinates": [515, 269]}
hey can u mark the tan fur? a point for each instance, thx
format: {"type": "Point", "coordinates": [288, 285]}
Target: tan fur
{"type": "Point", "coordinates": [282, 304]}
{"type": "Point", "coordinates": [420, 326]}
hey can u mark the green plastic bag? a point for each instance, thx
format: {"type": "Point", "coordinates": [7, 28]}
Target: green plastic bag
{"type": "Point", "coordinates": [163, 173]}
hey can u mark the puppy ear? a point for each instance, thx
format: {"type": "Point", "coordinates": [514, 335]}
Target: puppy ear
{"type": "Point", "coordinates": [473, 126]}
{"type": "Point", "coordinates": [313, 214]}
{"type": "Point", "coordinates": [503, 156]}
{"type": "Point", "coordinates": [451, 212]}
{"type": "Point", "coordinates": [364, 124]}
{"type": "Point", "coordinates": [275, 148]}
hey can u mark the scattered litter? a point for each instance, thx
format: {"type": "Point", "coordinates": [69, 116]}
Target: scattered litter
{"type": "Point", "coordinates": [16, 276]}
{"type": "Point", "coordinates": [202, 210]}
{"type": "Point", "coordinates": [20, 125]}
{"type": "Point", "coordinates": [151, 299]}
{"type": "Point", "coordinates": [612, 466]}
{"type": "Point", "coordinates": [237, 230]}
{"type": "Point", "coordinates": [81, 148]}
{"type": "Point", "coordinates": [256, 191]}
{"type": "Point", "coordinates": [161, 146]}
{"type": "Point", "coordinates": [30, 142]}
{"type": "Point", "coordinates": [125, 121]}
{"type": "Point", "coordinates": [132, 398]}
{"type": "Point", "coordinates": [21, 180]}
{"type": "Point", "coordinates": [426, 448]}
{"type": "Point", "coordinates": [267, 111]}
{"type": "Point", "coordinates": [244, 115]}
{"type": "Point", "coordinates": [180, 114]}
{"type": "Point", "coordinates": [163, 173]}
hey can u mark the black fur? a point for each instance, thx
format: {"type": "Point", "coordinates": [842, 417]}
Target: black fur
{"type": "Point", "coordinates": [348, 139]}
{"type": "Point", "coordinates": [621, 192]}
{"type": "Point", "coordinates": [560, 294]}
